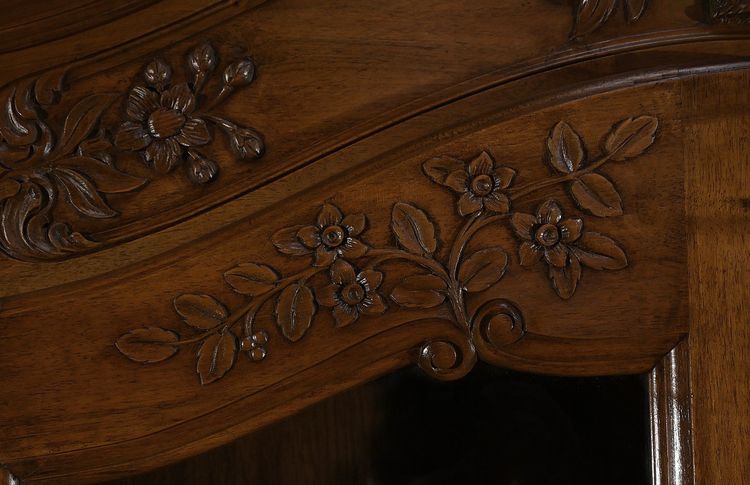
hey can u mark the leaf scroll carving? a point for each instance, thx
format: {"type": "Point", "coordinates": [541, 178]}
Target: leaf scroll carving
{"type": "Point", "coordinates": [43, 169]}
{"type": "Point", "coordinates": [344, 275]}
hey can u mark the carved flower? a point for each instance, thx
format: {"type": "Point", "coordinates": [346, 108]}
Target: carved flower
{"type": "Point", "coordinates": [480, 182]}
{"type": "Point", "coordinates": [564, 246]}
{"type": "Point", "coordinates": [351, 293]}
{"type": "Point", "coordinates": [160, 124]}
{"type": "Point", "coordinates": [332, 236]}
{"type": "Point", "coordinates": [546, 234]}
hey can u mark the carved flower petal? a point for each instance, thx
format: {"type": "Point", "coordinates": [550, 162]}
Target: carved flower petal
{"type": "Point", "coordinates": [353, 249]}
{"type": "Point", "coordinates": [179, 97]}
{"type": "Point", "coordinates": [549, 212]}
{"type": "Point", "coordinates": [529, 253]}
{"type": "Point", "coordinates": [556, 255]}
{"type": "Point", "coordinates": [571, 229]}
{"type": "Point", "coordinates": [164, 154]}
{"type": "Point", "coordinates": [342, 273]}
{"type": "Point", "coordinates": [354, 223]}
{"type": "Point", "coordinates": [371, 278]}
{"type": "Point", "coordinates": [344, 314]}
{"type": "Point", "coordinates": [329, 215]}
{"type": "Point", "coordinates": [324, 256]}
{"type": "Point", "coordinates": [504, 176]}
{"type": "Point", "coordinates": [482, 165]}
{"type": "Point", "coordinates": [457, 180]}
{"type": "Point", "coordinates": [373, 304]}
{"type": "Point", "coordinates": [497, 202]}
{"type": "Point", "coordinates": [132, 136]}
{"type": "Point", "coordinates": [142, 101]}
{"type": "Point", "coordinates": [328, 295]}
{"type": "Point", "coordinates": [193, 133]}
{"type": "Point", "coordinates": [310, 236]}
{"type": "Point", "coordinates": [469, 203]}
{"type": "Point", "coordinates": [523, 224]}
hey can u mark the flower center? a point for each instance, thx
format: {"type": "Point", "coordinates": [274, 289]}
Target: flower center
{"type": "Point", "coordinates": [164, 122]}
{"type": "Point", "coordinates": [482, 185]}
{"type": "Point", "coordinates": [547, 235]}
{"type": "Point", "coordinates": [333, 236]}
{"type": "Point", "coordinates": [353, 294]}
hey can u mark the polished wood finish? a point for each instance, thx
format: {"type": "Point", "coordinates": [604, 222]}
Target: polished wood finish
{"type": "Point", "coordinates": [720, 330]}
{"type": "Point", "coordinates": [216, 215]}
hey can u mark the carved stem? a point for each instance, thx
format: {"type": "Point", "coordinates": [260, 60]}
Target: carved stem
{"type": "Point", "coordinates": [226, 90]}
{"type": "Point", "coordinates": [523, 190]}
{"type": "Point", "coordinates": [383, 255]}
{"type": "Point", "coordinates": [253, 306]}
{"type": "Point", "coordinates": [459, 244]}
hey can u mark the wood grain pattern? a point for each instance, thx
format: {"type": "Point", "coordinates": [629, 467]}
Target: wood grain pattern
{"type": "Point", "coordinates": [719, 271]}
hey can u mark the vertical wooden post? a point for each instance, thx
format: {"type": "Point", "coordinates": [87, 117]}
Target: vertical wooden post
{"type": "Point", "coordinates": [717, 155]}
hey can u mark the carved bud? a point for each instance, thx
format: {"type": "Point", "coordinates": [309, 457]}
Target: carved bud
{"type": "Point", "coordinates": [157, 73]}
{"type": "Point", "coordinates": [246, 143]}
{"type": "Point", "coordinates": [239, 73]}
{"type": "Point", "coordinates": [200, 169]}
{"type": "Point", "coordinates": [203, 58]}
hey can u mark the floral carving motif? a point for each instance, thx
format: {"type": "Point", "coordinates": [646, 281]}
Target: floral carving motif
{"type": "Point", "coordinates": [42, 169]}
{"type": "Point", "coordinates": [352, 288]}
{"type": "Point", "coordinates": [590, 15]}
{"type": "Point", "coordinates": [165, 122]}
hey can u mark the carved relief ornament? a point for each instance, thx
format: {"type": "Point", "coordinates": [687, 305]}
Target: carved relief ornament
{"type": "Point", "coordinates": [165, 123]}
{"type": "Point", "coordinates": [345, 277]}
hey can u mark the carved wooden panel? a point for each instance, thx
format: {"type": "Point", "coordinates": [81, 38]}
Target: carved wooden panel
{"type": "Point", "coordinates": [512, 192]}
{"type": "Point", "coordinates": [486, 193]}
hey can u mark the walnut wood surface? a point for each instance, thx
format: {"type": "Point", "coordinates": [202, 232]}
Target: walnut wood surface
{"type": "Point", "coordinates": [719, 270]}
{"type": "Point", "coordinates": [432, 187]}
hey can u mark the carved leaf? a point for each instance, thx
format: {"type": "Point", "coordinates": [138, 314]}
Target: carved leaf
{"type": "Point", "coordinates": [81, 194]}
{"type": "Point", "coordinates": [631, 137]}
{"type": "Point", "coordinates": [13, 127]}
{"type": "Point", "coordinates": [439, 168]}
{"type": "Point", "coordinates": [216, 356]}
{"type": "Point", "coordinates": [107, 179]}
{"type": "Point", "coordinates": [148, 345]}
{"type": "Point", "coordinates": [251, 279]}
{"type": "Point", "coordinates": [295, 310]}
{"type": "Point", "coordinates": [634, 9]}
{"type": "Point", "coordinates": [287, 242]}
{"type": "Point", "coordinates": [599, 252]}
{"type": "Point", "coordinates": [596, 194]}
{"type": "Point", "coordinates": [413, 229]}
{"type": "Point", "coordinates": [565, 280]}
{"type": "Point", "coordinates": [483, 269]}
{"type": "Point", "coordinates": [565, 150]}
{"type": "Point", "coordinates": [8, 188]}
{"type": "Point", "coordinates": [48, 87]}
{"type": "Point", "coordinates": [81, 121]}
{"type": "Point", "coordinates": [420, 291]}
{"type": "Point", "coordinates": [200, 311]}
{"type": "Point", "coordinates": [591, 14]}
